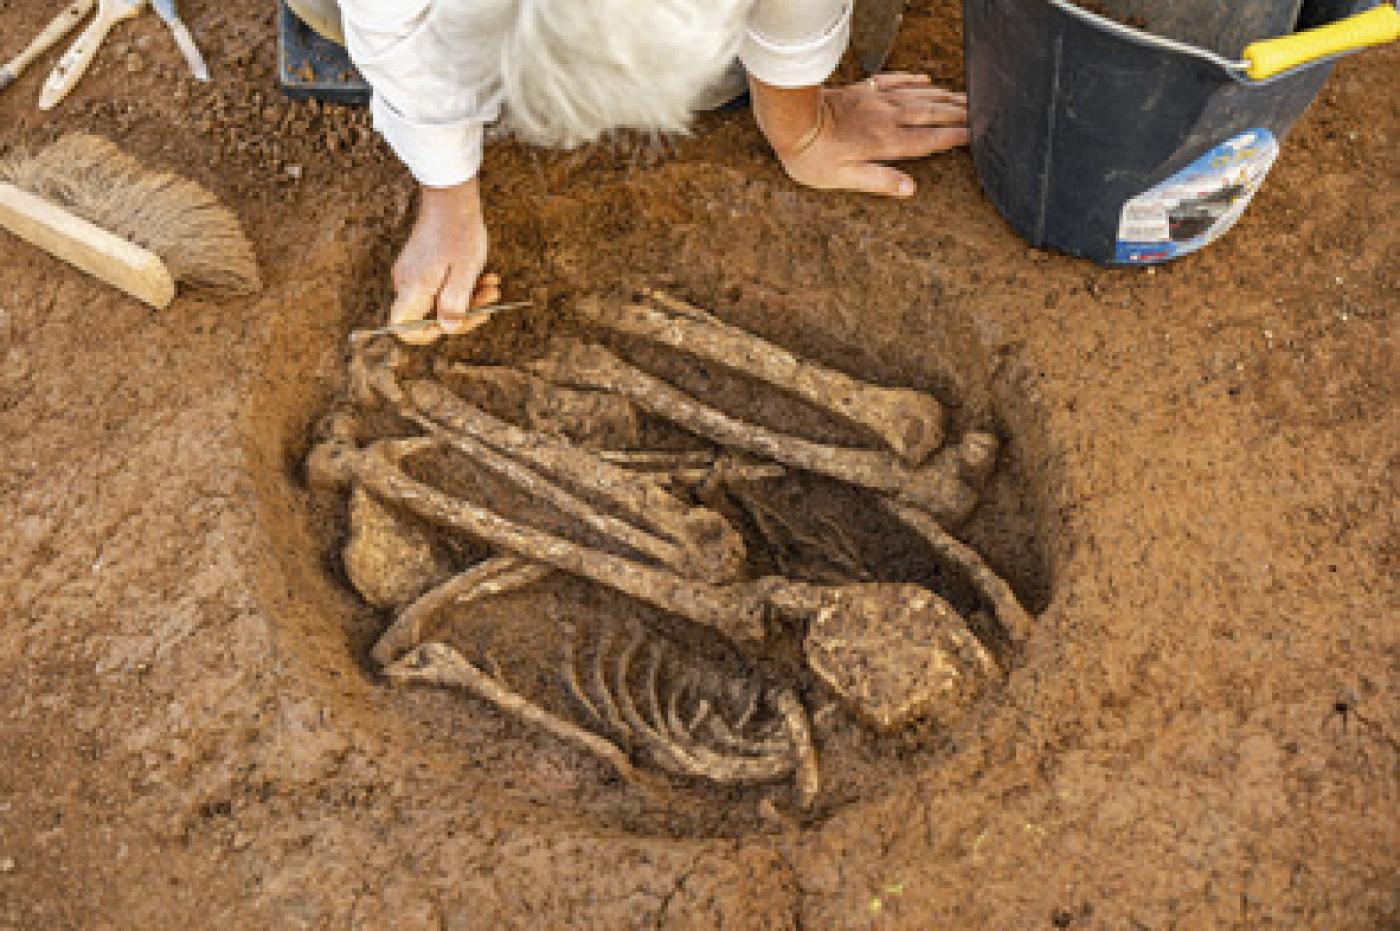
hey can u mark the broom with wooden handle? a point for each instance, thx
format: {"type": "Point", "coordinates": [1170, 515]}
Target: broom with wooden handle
{"type": "Point", "coordinates": [85, 201]}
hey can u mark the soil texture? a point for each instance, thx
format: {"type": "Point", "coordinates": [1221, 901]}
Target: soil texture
{"type": "Point", "coordinates": [1195, 495]}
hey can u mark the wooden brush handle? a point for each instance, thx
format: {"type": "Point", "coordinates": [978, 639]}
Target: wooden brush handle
{"type": "Point", "coordinates": [61, 25]}
{"type": "Point", "coordinates": [119, 262]}
{"type": "Point", "coordinates": [74, 63]}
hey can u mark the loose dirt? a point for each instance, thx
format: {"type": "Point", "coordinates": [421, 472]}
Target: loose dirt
{"type": "Point", "coordinates": [1196, 497]}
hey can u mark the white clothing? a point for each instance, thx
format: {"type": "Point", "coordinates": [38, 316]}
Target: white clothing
{"type": "Point", "coordinates": [436, 89]}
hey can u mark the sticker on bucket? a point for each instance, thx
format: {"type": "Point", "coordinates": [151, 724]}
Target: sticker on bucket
{"type": "Point", "coordinates": [1198, 204]}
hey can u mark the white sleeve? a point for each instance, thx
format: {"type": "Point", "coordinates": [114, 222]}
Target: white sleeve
{"type": "Point", "coordinates": [434, 89]}
{"type": "Point", "coordinates": [796, 43]}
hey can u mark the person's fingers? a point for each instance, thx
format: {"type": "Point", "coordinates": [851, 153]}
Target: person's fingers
{"type": "Point", "coordinates": [873, 178]}
{"type": "Point", "coordinates": [414, 301]}
{"type": "Point", "coordinates": [488, 290]}
{"type": "Point", "coordinates": [916, 142]}
{"type": "Point", "coordinates": [486, 295]}
{"type": "Point", "coordinates": [928, 95]}
{"type": "Point", "coordinates": [894, 80]}
{"type": "Point", "coordinates": [455, 299]}
{"type": "Point", "coordinates": [926, 114]}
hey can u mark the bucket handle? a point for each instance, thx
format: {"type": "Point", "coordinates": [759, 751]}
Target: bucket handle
{"type": "Point", "coordinates": [1378, 26]}
{"type": "Point", "coordinates": [1272, 57]}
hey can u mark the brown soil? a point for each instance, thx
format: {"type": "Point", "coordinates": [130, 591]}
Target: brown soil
{"type": "Point", "coordinates": [1094, 6]}
{"type": "Point", "coordinates": [1197, 493]}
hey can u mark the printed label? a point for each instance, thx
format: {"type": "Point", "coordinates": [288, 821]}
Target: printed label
{"type": "Point", "coordinates": [1198, 204]}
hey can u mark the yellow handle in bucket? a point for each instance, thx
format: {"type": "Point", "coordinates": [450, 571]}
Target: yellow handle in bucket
{"type": "Point", "coordinates": [1275, 56]}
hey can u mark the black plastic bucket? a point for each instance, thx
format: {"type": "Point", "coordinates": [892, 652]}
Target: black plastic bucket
{"type": "Point", "coordinates": [1131, 145]}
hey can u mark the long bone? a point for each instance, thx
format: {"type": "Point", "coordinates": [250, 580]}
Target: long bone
{"type": "Point", "coordinates": [493, 576]}
{"type": "Point", "coordinates": [943, 488]}
{"type": "Point", "coordinates": [439, 664]}
{"type": "Point", "coordinates": [1013, 616]}
{"type": "Point", "coordinates": [909, 422]}
{"type": "Point", "coordinates": [690, 540]}
{"type": "Point", "coordinates": [589, 418]}
{"type": "Point", "coordinates": [540, 488]}
{"type": "Point", "coordinates": [891, 650]}
{"type": "Point", "coordinates": [737, 612]}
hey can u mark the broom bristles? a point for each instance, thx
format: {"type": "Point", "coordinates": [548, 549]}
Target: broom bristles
{"type": "Point", "coordinates": [199, 239]}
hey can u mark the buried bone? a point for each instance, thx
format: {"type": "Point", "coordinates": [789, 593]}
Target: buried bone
{"type": "Point", "coordinates": [594, 419]}
{"type": "Point", "coordinates": [896, 652]}
{"type": "Point", "coordinates": [890, 652]}
{"type": "Point", "coordinates": [945, 488]}
{"type": "Point", "coordinates": [908, 422]}
{"type": "Point", "coordinates": [712, 546]}
{"type": "Point", "coordinates": [737, 612]}
{"type": "Point", "coordinates": [636, 693]}
{"type": "Point", "coordinates": [389, 559]}
{"type": "Point", "coordinates": [1014, 618]}
{"type": "Point", "coordinates": [486, 579]}
{"type": "Point", "coordinates": [691, 540]}
{"type": "Point", "coordinates": [439, 664]}
{"type": "Point", "coordinates": [893, 651]}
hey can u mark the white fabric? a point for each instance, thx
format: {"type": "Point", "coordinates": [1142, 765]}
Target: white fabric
{"type": "Point", "coordinates": [437, 84]}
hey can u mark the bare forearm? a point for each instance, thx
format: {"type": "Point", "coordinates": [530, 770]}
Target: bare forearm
{"type": "Point", "coordinates": [458, 202]}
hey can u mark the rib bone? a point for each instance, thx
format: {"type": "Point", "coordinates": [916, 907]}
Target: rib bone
{"type": "Point", "coordinates": [909, 422]}
{"type": "Point", "coordinates": [488, 578]}
{"type": "Point", "coordinates": [439, 664]}
{"type": "Point", "coordinates": [639, 692]}
{"type": "Point", "coordinates": [804, 753]}
{"type": "Point", "coordinates": [939, 487]}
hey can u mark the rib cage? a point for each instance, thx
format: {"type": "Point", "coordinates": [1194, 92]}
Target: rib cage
{"type": "Point", "coordinates": [640, 690]}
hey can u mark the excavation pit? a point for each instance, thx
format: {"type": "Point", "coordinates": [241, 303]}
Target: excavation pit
{"type": "Point", "coordinates": [794, 523]}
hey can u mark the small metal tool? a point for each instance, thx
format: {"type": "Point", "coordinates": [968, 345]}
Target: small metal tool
{"type": "Point", "coordinates": [165, 9]}
{"type": "Point", "coordinates": [420, 326]}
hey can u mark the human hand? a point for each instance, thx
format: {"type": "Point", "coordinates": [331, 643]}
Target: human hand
{"type": "Point", "coordinates": [860, 127]}
{"type": "Point", "coordinates": [438, 273]}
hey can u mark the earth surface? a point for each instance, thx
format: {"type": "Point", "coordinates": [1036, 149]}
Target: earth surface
{"type": "Point", "coordinates": [1197, 496]}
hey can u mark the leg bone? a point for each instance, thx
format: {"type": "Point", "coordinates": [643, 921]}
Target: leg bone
{"type": "Point", "coordinates": [688, 539]}
{"type": "Point", "coordinates": [737, 612]}
{"type": "Point", "coordinates": [941, 487]}
{"type": "Point", "coordinates": [908, 422]}
{"type": "Point", "coordinates": [589, 418]}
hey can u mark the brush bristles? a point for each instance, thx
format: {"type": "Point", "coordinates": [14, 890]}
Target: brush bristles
{"type": "Point", "coordinates": [199, 239]}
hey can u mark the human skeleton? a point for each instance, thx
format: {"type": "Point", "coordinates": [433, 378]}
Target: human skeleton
{"type": "Point", "coordinates": [891, 652]}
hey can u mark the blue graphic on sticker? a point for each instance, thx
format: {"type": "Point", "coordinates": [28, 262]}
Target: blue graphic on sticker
{"type": "Point", "coordinates": [1198, 204]}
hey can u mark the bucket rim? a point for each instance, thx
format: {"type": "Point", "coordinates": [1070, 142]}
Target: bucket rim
{"type": "Point", "coordinates": [1237, 71]}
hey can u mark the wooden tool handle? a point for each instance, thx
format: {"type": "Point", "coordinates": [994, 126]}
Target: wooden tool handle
{"type": "Point", "coordinates": [59, 27]}
{"type": "Point", "coordinates": [74, 63]}
{"type": "Point", "coordinates": [122, 264]}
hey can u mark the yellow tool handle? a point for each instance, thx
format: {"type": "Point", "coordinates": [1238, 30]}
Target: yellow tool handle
{"type": "Point", "coordinates": [1275, 56]}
